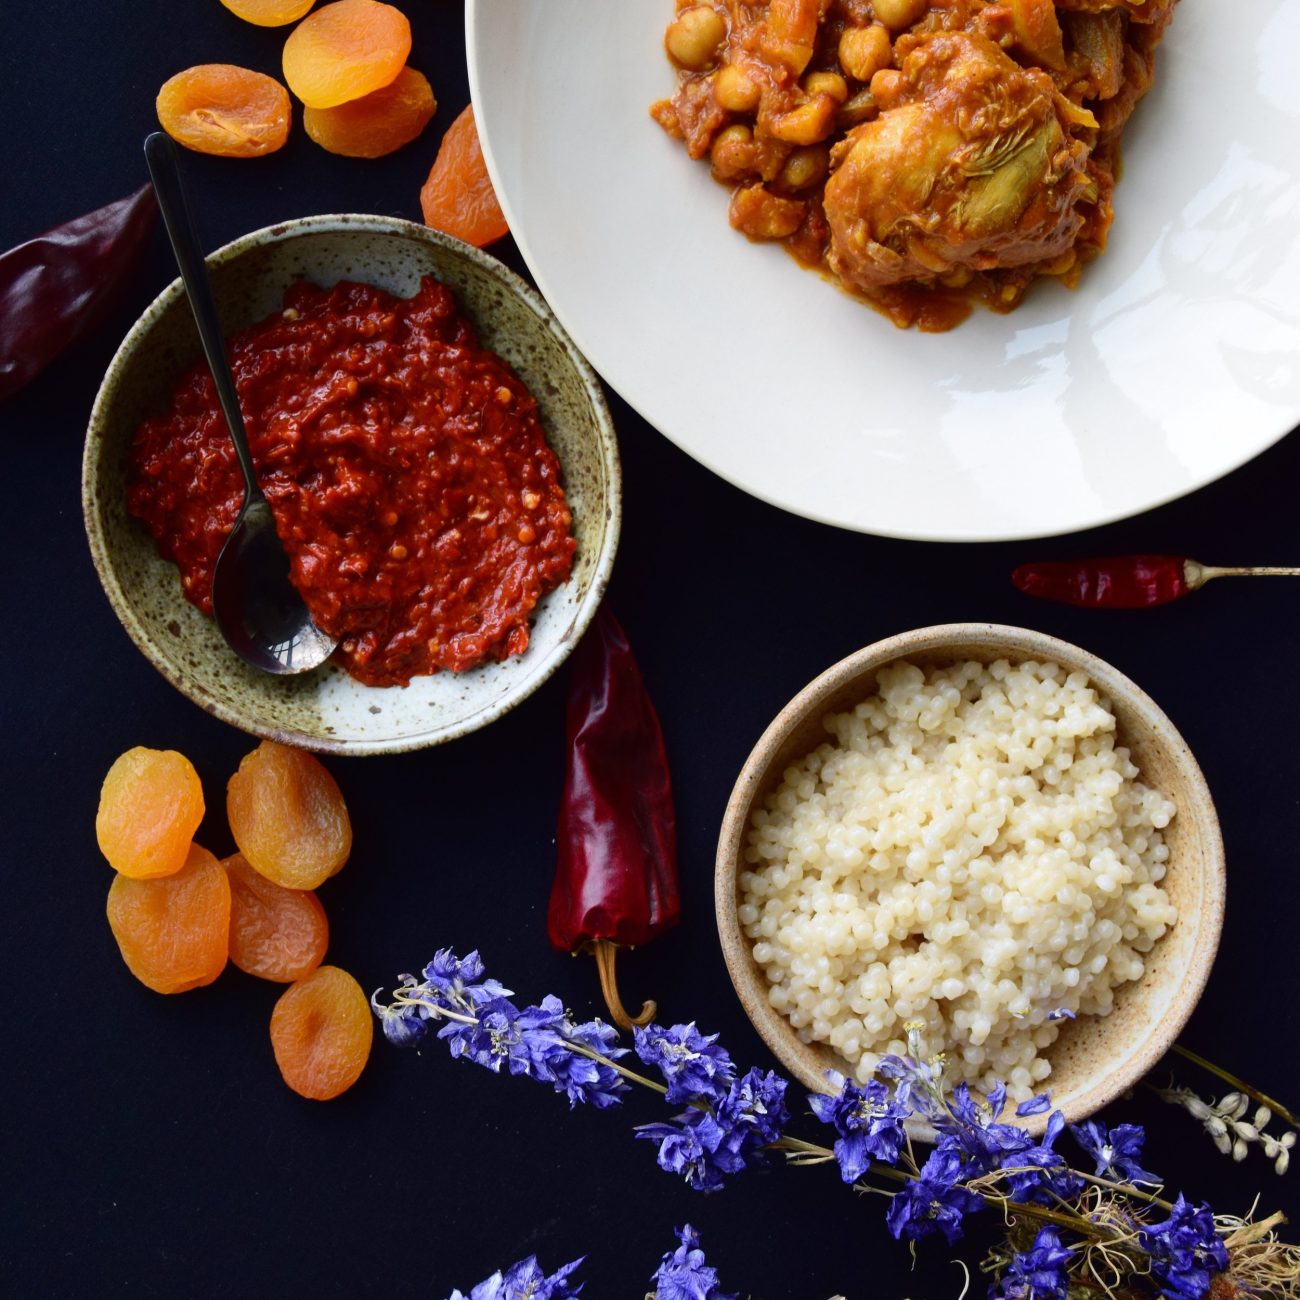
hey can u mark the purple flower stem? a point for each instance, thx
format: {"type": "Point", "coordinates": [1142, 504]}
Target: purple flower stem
{"type": "Point", "coordinates": [1067, 1219]}
{"type": "Point", "coordinates": [631, 1075]}
{"type": "Point", "coordinates": [1126, 1189]}
{"type": "Point", "coordinates": [437, 1010]}
{"type": "Point", "coordinates": [824, 1154]}
{"type": "Point", "coordinates": [1062, 1219]}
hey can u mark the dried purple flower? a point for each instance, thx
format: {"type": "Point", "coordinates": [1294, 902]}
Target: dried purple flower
{"type": "Point", "coordinates": [692, 1064]}
{"type": "Point", "coordinates": [683, 1273]}
{"type": "Point", "coordinates": [1040, 1173]}
{"type": "Point", "coordinates": [403, 1026]}
{"type": "Point", "coordinates": [971, 1128]}
{"type": "Point", "coordinates": [1040, 1273]}
{"type": "Point", "coordinates": [694, 1146]}
{"type": "Point", "coordinates": [1116, 1151]}
{"type": "Point", "coordinates": [522, 1041]}
{"type": "Point", "coordinates": [935, 1202]}
{"type": "Point", "coordinates": [526, 1281]}
{"type": "Point", "coordinates": [755, 1108]}
{"type": "Point", "coordinates": [703, 1146]}
{"type": "Point", "coordinates": [869, 1124]}
{"type": "Point", "coordinates": [918, 1086]}
{"type": "Point", "coordinates": [1034, 1106]}
{"type": "Point", "coordinates": [580, 1078]}
{"type": "Point", "coordinates": [458, 982]}
{"type": "Point", "coordinates": [1186, 1251]}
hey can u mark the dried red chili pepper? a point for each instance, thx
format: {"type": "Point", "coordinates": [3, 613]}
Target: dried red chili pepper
{"type": "Point", "coordinates": [616, 877]}
{"type": "Point", "coordinates": [57, 286]}
{"type": "Point", "coordinates": [1127, 581]}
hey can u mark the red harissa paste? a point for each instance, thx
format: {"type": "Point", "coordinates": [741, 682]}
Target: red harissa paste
{"type": "Point", "coordinates": [408, 471]}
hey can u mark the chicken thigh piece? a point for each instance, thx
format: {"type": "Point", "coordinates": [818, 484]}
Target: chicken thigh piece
{"type": "Point", "coordinates": [970, 167]}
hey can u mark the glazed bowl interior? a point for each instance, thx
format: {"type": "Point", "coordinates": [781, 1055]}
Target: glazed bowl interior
{"type": "Point", "coordinates": [1094, 1059]}
{"type": "Point", "coordinates": [328, 710]}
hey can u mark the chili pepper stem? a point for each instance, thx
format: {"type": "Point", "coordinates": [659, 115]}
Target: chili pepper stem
{"type": "Point", "coordinates": [606, 954]}
{"type": "Point", "coordinates": [1199, 574]}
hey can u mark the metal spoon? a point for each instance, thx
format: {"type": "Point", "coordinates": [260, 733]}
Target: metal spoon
{"type": "Point", "coordinates": [258, 610]}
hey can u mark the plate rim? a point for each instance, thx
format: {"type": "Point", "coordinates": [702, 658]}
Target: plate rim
{"type": "Point", "coordinates": [956, 537]}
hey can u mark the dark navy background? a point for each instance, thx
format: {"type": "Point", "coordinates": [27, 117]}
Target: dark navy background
{"type": "Point", "coordinates": [148, 1145]}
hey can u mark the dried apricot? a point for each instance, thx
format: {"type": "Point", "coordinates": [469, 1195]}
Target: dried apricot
{"type": "Point", "coordinates": [288, 816]}
{"type": "Point", "coordinates": [321, 1032]}
{"type": "Point", "coordinates": [275, 933]}
{"type": "Point", "coordinates": [458, 197]}
{"type": "Point", "coordinates": [150, 805]}
{"type": "Point", "coordinates": [345, 50]}
{"type": "Point", "coordinates": [377, 123]}
{"type": "Point", "coordinates": [268, 13]}
{"type": "Point", "coordinates": [222, 109]}
{"type": "Point", "coordinates": [173, 932]}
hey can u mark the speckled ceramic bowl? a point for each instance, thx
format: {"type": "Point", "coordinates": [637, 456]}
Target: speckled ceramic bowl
{"type": "Point", "coordinates": [327, 710]}
{"type": "Point", "coordinates": [1095, 1058]}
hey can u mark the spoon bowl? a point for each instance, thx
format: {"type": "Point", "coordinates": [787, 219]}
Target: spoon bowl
{"type": "Point", "coordinates": [257, 608]}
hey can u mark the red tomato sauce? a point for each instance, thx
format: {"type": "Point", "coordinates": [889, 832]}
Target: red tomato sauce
{"type": "Point", "coordinates": [406, 466]}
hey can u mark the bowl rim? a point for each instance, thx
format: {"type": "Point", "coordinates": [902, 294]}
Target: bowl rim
{"type": "Point", "coordinates": [342, 223]}
{"type": "Point", "coordinates": [1103, 1085]}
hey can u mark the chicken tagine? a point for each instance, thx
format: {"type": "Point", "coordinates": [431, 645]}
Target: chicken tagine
{"type": "Point", "coordinates": [926, 153]}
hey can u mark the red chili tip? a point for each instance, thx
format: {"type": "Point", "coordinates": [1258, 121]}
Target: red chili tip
{"type": "Point", "coordinates": [1030, 579]}
{"type": "Point", "coordinates": [60, 285]}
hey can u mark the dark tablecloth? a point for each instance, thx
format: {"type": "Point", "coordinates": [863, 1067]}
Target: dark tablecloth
{"type": "Point", "coordinates": [149, 1147]}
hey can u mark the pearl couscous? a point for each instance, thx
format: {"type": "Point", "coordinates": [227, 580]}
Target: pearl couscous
{"type": "Point", "coordinates": [971, 850]}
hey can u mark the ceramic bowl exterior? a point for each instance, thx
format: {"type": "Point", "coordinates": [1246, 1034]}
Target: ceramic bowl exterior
{"type": "Point", "coordinates": [327, 710]}
{"type": "Point", "coordinates": [1094, 1059]}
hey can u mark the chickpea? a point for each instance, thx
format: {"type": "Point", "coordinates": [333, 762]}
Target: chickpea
{"type": "Point", "coordinates": [897, 14]}
{"type": "Point", "coordinates": [887, 87]}
{"type": "Point", "coordinates": [762, 215]}
{"type": "Point", "coordinates": [694, 36]}
{"type": "Point", "coordinates": [827, 83]}
{"type": "Point", "coordinates": [735, 91]}
{"type": "Point", "coordinates": [864, 51]}
{"type": "Point", "coordinates": [732, 153]}
{"type": "Point", "coordinates": [805, 166]}
{"type": "Point", "coordinates": [809, 123]}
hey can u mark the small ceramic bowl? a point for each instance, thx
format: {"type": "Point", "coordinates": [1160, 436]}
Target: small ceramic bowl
{"type": "Point", "coordinates": [1095, 1058]}
{"type": "Point", "coordinates": [327, 710]}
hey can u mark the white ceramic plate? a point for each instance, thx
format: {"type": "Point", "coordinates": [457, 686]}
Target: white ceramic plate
{"type": "Point", "coordinates": [1176, 360]}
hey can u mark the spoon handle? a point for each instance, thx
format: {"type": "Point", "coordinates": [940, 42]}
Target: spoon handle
{"type": "Point", "coordinates": [165, 172]}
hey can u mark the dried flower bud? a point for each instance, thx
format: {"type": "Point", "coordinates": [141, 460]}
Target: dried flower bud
{"type": "Point", "coordinates": [1283, 1161]}
{"type": "Point", "coordinates": [1239, 1149]}
{"type": "Point", "coordinates": [1234, 1104]}
{"type": "Point", "coordinates": [1262, 1117]}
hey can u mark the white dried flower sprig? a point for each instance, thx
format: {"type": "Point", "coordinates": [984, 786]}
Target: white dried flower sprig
{"type": "Point", "coordinates": [1225, 1121]}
